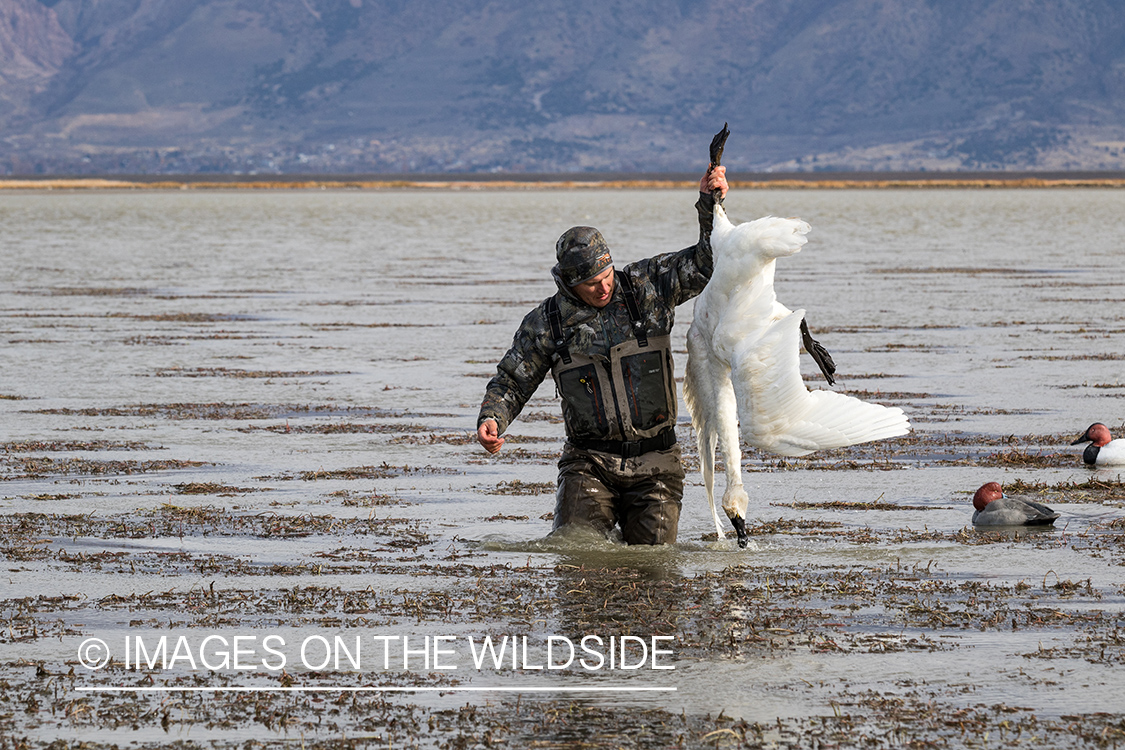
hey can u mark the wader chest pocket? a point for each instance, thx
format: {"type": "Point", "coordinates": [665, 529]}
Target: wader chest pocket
{"type": "Point", "coordinates": [646, 388]}
{"type": "Point", "coordinates": [583, 398]}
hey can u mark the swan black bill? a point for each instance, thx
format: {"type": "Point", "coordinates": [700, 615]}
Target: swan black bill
{"type": "Point", "coordinates": [740, 529]}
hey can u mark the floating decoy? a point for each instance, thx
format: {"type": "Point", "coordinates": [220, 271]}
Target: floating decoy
{"type": "Point", "coordinates": [994, 508]}
{"type": "Point", "coordinates": [1103, 450]}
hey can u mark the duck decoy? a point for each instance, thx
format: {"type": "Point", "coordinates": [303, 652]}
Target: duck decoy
{"type": "Point", "coordinates": [994, 508]}
{"type": "Point", "coordinates": [1103, 450]}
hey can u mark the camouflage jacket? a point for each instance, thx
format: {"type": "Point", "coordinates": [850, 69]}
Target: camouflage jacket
{"type": "Point", "coordinates": [661, 283]}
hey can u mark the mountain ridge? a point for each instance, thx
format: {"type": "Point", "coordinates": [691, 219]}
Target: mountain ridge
{"type": "Point", "coordinates": [477, 86]}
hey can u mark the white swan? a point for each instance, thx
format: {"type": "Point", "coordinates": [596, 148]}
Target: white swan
{"type": "Point", "coordinates": [742, 369]}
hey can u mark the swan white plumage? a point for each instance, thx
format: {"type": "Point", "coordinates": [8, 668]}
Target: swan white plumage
{"type": "Point", "coordinates": [743, 376]}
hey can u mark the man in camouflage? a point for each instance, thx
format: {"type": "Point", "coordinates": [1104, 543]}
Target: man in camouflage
{"type": "Point", "coordinates": [605, 337]}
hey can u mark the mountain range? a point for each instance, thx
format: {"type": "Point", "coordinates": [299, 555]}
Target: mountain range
{"type": "Point", "coordinates": [559, 86]}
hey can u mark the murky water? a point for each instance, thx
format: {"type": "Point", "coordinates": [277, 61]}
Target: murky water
{"type": "Point", "coordinates": [225, 397]}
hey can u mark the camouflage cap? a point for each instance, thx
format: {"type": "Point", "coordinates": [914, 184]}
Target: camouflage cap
{"type": "Point", "coordinates": [582, 255]}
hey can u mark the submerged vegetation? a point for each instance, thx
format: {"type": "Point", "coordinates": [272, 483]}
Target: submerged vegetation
{"type": "Point", "coordinates": [214, 431]}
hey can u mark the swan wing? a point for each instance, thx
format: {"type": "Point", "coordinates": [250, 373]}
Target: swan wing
{"type": "Point", "coordinates": [777, 413]}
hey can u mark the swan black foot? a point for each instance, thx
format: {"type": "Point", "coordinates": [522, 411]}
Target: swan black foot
{"type": "Point", "coordinates": [739, 525]}
{"type": "Point", "coordinates": [819, 354]}
{"type": "Point", "coordinates": [717, 144]}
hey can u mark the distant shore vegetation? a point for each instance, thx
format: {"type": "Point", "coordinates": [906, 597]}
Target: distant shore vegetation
{"type": "Point", "coordinates": [546, 182]}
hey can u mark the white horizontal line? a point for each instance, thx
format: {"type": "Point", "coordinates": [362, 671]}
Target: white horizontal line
{"type": "Point", "coordinates": [389, 689]}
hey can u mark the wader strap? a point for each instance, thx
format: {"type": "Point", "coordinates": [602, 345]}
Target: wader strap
{"type": "Point", "coordinates": [632, 448]}
{"type": "Point", "coordinates": [634, 309]}
{"type": "Point", "coordinates": [554, 318]}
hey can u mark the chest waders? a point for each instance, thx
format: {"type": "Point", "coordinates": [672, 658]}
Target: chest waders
{"type": "Point", "coordinates": [625, 403]}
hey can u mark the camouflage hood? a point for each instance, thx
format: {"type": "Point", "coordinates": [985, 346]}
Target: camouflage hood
{"type": "Point", "coordinates": [582, 254]}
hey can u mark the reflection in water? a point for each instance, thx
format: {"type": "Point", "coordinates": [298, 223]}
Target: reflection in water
{"type": "Point", "coordinates": [580, 547]}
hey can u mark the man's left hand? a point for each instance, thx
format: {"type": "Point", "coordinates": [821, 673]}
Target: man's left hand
{"type": "Point", "coordinates": [715, 179]}
{"type": "Point", "coordinates": [488, 435]}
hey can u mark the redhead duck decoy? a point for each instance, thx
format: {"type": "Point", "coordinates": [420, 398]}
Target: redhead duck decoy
{"type": "Point", "coordinates": [743, 378]}
{"type": "Point", "coordinates": [994, 508]}
{"type": "Point", "coordinates": [1103, 450]}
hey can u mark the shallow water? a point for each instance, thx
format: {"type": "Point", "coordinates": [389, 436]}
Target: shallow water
{"type": "Point", "coordinates": [308, 367]}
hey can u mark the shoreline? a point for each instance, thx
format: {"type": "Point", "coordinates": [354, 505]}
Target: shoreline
{"type": "Point", "coordinates": [801, 181]}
